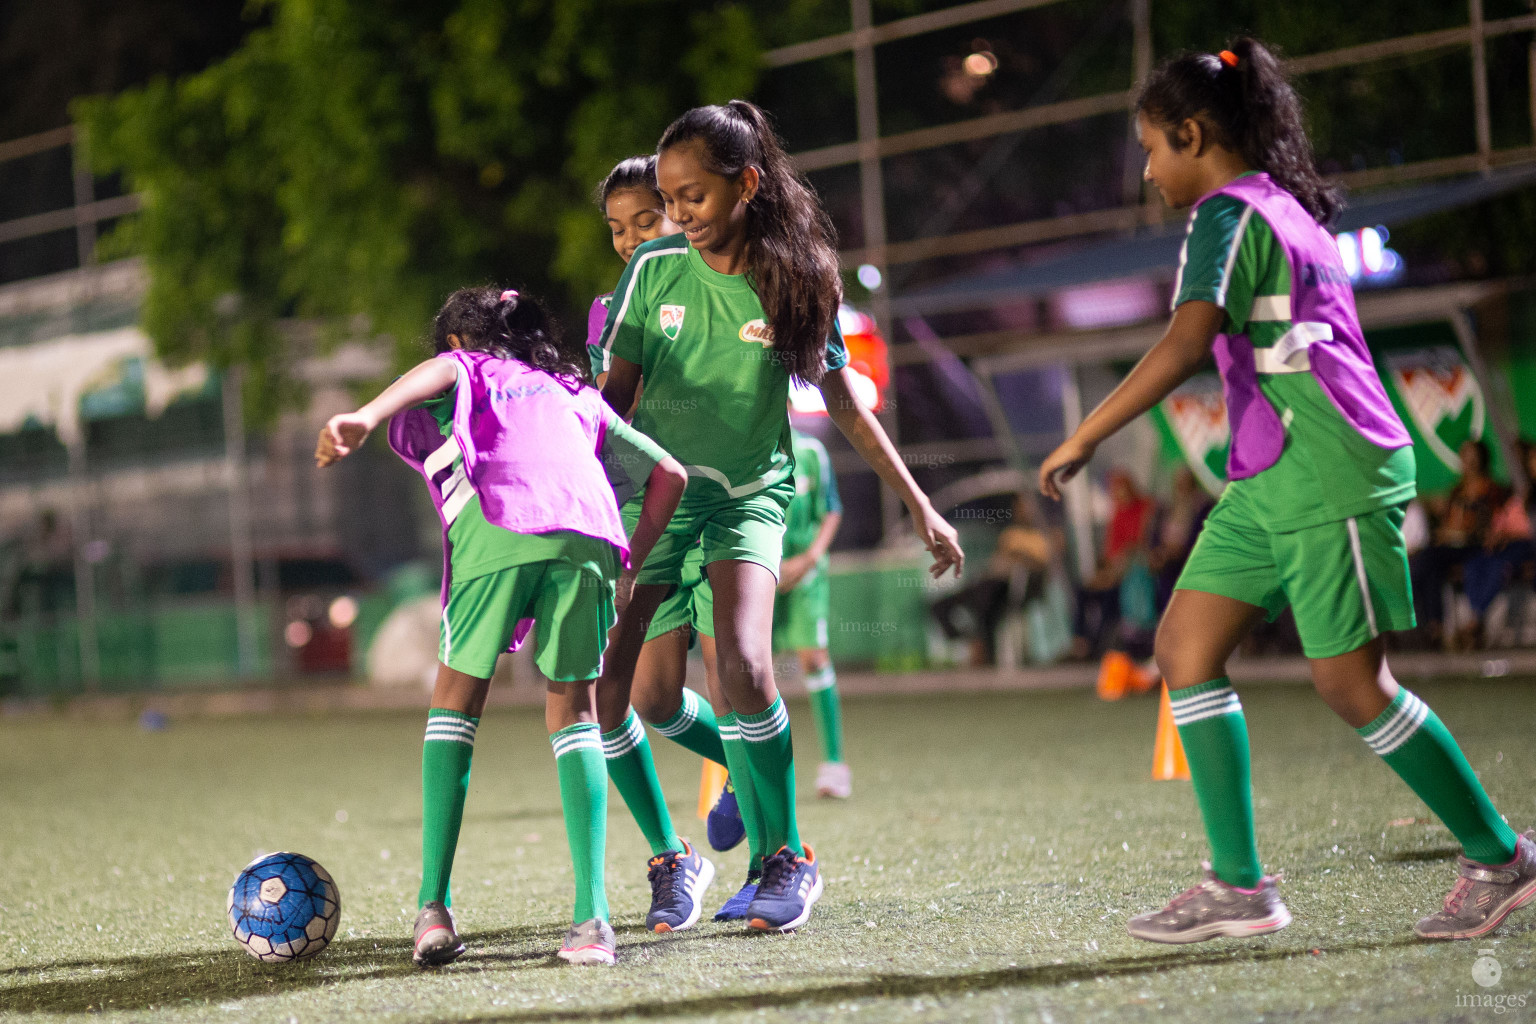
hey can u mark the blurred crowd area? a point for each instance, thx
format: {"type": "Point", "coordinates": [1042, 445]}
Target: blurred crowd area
{"type": "Point", "coordinates": [1471, 558]}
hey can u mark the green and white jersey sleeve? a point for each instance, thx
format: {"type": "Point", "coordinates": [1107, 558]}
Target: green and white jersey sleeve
{"type": "Point", "coordinates": [815, 494]}
{"type": "Point", "coordinates": [1327, 471]}
{"type": "Point", "coordinates": [628, 457]}
{"type": "Point", "coordinates": [715, 392]}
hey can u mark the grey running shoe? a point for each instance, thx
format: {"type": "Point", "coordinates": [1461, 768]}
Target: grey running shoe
{"type": "Point", "coordinates": [590, 942]}
{"type": "Point", "coordinates": [437, 943]}
{"type": "Point", "coordinates": [1214, 908]}
{"type": "Point", "coordinates": [1484, 895]}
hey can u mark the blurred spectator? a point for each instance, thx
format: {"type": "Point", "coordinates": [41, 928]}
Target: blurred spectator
{"type": "Point", "coordinates": [1508, 551]}
{"type": "Point", "coordinates": [1464, 529]}
{"type": "Point", "coordinates": [1098, 600]}
{"type": "Point", "coordinates": [1173, 536]}
{"type": "Point", "coordinates": [1024, 548]}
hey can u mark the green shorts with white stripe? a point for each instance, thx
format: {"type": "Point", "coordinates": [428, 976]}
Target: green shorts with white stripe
{"type": "Point", "coordinates": [1345, 581]}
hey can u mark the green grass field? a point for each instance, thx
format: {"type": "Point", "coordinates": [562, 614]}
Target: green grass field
{"type": "Point", "coordinates": [994, 846]}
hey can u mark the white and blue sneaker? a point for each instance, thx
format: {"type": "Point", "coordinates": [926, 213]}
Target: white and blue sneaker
{"type": "Point", "coordinates": [790, 888]}
{"type": "Point", "coordinates": [678, 880]}
{"type": "Point", "coordinates": [724, 826]}
{"type": "Point", "coordinates": [735, 908]}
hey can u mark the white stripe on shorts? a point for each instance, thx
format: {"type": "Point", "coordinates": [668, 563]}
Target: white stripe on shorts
{"type": "Point", "coordinates": [1365, 585]}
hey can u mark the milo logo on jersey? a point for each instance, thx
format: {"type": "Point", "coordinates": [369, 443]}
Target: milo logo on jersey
{"type": "Point", "coordinates": [1441, 397]}
{"type": "Point", "coordinates": [1194, 420]}
{"type": "Point", "coordinates": [672, 320]}
{"type": "Point", "coordinates": [758, 331]}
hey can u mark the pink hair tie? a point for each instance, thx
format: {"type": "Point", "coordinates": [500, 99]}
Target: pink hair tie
{"type": "Point", "coordinates": [508, 295]}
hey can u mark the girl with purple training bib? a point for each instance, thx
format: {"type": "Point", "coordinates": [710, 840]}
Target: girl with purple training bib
{"type": "Point", "coordinates": [522, 458]}
{"type": "Point", "coordinates": [1320, 472]}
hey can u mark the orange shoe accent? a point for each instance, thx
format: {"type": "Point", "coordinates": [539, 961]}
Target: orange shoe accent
{"type": "Point", "coordinates": [1168, 761]}
{"type": "Point", "coordinates": [759, 924]}
{"type": "Point", "coordinates": [1114, 675]}
{"type": "Point", "coordinates": [711, 783]}
{"type": "Point", "coordinates": [661, 927]}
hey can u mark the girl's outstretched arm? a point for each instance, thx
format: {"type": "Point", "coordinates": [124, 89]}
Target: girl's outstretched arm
{"type": "Point", "coordinates": [663, 492]}
{"type": "Point", "coordinates": [869, 439]}
{"type": "Point", "coordinates": [344, 433]}
{"type": "Point", "coordinates": [1169, 363]}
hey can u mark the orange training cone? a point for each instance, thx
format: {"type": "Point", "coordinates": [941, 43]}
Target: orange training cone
{"type": "Point", "coordinates": [1115, 671]}
{"type": "Point", "coordinates": [711, 782]}
{"type": "Point", "coordinates": [1168, 760]}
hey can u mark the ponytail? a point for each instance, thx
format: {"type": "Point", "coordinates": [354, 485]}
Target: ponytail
{"type": "Point", "coordinates": [1247, 105]}
{"type": "Point", "coordinates": [791, 245]}
{"type": "Point", "coordinates": [507, 325]}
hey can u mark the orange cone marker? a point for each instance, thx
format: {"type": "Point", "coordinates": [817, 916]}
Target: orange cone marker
{"type": "Point", "coordinates": [712, 781]}
{"type": "Point", "coordinates": [1114, 675]}
{"type": "Point", "coordinates": [1168, 761]}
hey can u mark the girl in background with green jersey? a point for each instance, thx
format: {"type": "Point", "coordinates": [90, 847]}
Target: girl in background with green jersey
{"type": "Point", "coordinates": [1320, 472]}
{"type": "Point", "coordinates": [717, 321]}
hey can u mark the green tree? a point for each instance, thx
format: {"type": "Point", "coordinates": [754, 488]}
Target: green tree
{"type": "Point", "coordinates": [355, 160]}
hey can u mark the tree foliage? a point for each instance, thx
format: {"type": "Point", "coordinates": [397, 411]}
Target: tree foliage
{"type": "Point", "coordinates": [355, 160]}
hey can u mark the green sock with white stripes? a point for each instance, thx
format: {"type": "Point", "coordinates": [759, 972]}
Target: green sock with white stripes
{"type": "Point", "coordinates": [771, 756]}
{"type": "Point", "coordinates": [746, 793]}
{"type": "Point", "coordinates": [1215, 736]}
{"type": "Point", "coordinates": [827, 709]}
{"type": "Point", "coordinates": [1417, 745]}
{"type": "Point", "coordinates": [445, 755]}
{"type": "Point", "coordinates": [694, 727]}
{"type": "Point", "coordinates": [634, 775]}
{"type": "Point", "coordinates": [583, 776]}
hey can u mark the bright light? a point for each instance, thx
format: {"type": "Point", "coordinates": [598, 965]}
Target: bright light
{"type": "Point", "coordinates": [869, 276]}
{"type": "Point", "coordinates": [806, 400]}
{"type": "Point", "coordinates": [1370, 250]}
{"type": "Point", "coordinates": [298, 633]}
{"type": "Point", "coordinates": [865, 390]}
{"type": "Point", "coordinates": [1349, 252]}
{"type": "Point", "coordinates": [980, 64]}
{"type": "Point", "coordinates": [343, 612]}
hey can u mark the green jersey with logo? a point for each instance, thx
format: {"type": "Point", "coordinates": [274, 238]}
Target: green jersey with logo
{"type": "Point", "coordinates": [1327, 471]}
{"type": "Point", "coordinates": [815, 494]}
{"type": "Point", "coordinates": [715, 393]}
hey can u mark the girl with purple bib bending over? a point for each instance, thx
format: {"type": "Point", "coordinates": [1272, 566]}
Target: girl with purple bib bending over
{"type": "Point", "coordinates": [1320, 473]}
{"type": "Point", "coordinates": [522, 458]}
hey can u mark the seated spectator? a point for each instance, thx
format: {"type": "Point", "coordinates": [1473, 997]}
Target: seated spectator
{"type": "Point", "coordinates": [1173, 535]}
{"type": "Point", "coordinates": [1508, 550]}
{"type": "Point", "coordinates": [1464, 529]}
{"type": "Point", "coordinates": [975, 609]}
{"type": "Point", "coordinates": [1098, 600]}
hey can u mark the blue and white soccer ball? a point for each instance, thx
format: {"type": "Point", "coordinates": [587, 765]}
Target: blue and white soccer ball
{"type": "Point", "coordinates": [284, 906]}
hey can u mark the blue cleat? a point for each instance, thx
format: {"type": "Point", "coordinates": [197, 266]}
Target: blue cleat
{"type": "Point", "coordinates": [735, 908]}
{"type": "Point", "coordinates": [790, 888]}
{"type": "Point", "coordinates": [678, 880]}
{"type": "Point", "coordinates": [725, 828]}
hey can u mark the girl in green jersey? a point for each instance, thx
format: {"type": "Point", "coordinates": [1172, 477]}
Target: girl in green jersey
{"type": "Point", "coordinates": [718, 320]}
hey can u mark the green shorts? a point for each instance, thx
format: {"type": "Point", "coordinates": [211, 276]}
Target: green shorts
{"type": "Point", "coordinates": [749, 529]}
{"type": "Point", "coordinates": [800, 616]}
{"type": "Point", "coordinates": [691, 603]}
{"type": "Point", "coordinates": [1345, 581]}
{"type": "Point", "coordinates": [572, 611]}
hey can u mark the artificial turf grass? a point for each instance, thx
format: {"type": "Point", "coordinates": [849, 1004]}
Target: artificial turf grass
{"type": "Point", "coordinates": [977, 815]}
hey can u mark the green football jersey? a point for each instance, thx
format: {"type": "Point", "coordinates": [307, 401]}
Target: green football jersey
{"type": "Point", "coordinates": [715, 392]}
{"type": "Point", "coordinates": [815, 494]}
{"type": "Point", "coordinates": [1326, 471]}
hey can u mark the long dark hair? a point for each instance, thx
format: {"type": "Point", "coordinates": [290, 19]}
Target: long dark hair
{"type": "Point", "coordinates": [791, 244]}
{"type": "Point", "coordinates": [638, 172]}
{"type": "Point", "coordinates": [507, 325]}
{"type": "Point", "coordinates": [1248, 107]}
